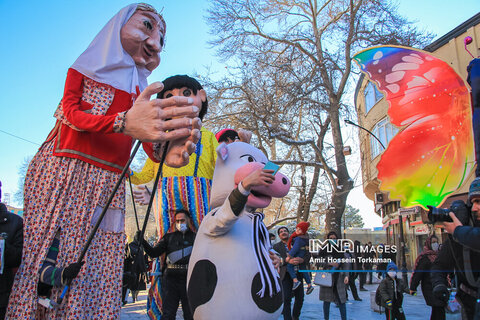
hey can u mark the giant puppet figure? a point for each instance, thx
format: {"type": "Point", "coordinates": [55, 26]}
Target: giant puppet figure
{"type": "Point", "coordinates": [185, 188]}
{"type": "Point", "coordinates": [106, 103]}
{"type": "Point", "coordinates": [230, 273]}
{"type": "Point", "coordinates": [433, 153]}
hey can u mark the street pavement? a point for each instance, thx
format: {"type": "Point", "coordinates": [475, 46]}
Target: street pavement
{"type": "Point", "coordinates": [414, 307]}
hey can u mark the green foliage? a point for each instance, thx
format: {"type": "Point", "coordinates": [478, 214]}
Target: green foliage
{"type": "Point", "coordinates": [352, 218]}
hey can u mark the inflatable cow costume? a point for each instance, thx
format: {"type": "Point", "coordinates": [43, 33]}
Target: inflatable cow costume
{"type": "Point", "coordinates": [231, 275]}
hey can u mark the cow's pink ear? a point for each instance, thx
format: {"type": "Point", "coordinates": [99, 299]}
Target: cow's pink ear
{"type": "Point", "coordinates": [222, 151]}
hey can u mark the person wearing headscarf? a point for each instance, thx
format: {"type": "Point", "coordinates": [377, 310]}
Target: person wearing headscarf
{"type": "Point", "coordinates": [421, 275]}
{"type": "Point", "coordinates": [105, 105]}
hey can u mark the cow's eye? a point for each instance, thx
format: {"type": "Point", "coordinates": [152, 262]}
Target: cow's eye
{"type": "Point", "coordinates": [248, 157]}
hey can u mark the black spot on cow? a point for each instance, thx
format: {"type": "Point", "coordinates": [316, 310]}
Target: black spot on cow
{"type": "Point", "coordinates": [203, 281]}
{"type": "Point", "coordinates": [267, 303]}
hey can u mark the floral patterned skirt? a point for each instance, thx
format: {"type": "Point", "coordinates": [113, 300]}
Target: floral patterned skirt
{"type": "Point", "coordinates": [68, 194]}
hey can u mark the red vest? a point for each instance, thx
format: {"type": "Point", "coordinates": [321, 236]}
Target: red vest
{"type": "Point", "coordinates": [99, 145]}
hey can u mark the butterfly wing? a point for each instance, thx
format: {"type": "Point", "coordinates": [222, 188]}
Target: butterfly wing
{"type": "Point", "coordinates": [433, 153]}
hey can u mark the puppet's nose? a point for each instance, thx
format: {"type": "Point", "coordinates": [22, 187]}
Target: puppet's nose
{"type": "Point", "coordinates": [154, 42]}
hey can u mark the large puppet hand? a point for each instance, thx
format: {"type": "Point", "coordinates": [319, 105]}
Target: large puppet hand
{"type": "Point", "coordinates": [141, 195]}
{"type": "Point", "coordinates": [179, 151]}
{"type": "Point", "coordinates": [160, 120]}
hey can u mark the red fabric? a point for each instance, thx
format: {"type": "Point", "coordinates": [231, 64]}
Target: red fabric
{"type": "Point", "coordinates": [289, 243]}
{"type": "Point", "coordinates": [303, 225]}
{"type": "Point", "coordinates": [148, 148]}
{"type": "Point", "coordinates": [98, 144]}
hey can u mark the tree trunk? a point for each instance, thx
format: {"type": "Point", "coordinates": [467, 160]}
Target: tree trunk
{"type": "Point", "coordinates": [309, 198]}
{"type": "Point", "coordinates": [344, 183]}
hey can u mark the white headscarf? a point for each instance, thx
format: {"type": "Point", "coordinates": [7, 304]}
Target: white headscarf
{"type": "Point", "coordinates": [106, 61]}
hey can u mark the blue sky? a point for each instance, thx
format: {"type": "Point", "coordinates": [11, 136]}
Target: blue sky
{"type": "Point", "coordinates": [42, 39]}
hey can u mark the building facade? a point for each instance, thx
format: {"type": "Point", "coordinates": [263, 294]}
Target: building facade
{"type": "Point", "coordinates": [371, 107]}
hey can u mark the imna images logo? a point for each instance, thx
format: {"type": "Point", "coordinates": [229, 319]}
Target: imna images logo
{"type": "Point", "coordinates": [347, 245]}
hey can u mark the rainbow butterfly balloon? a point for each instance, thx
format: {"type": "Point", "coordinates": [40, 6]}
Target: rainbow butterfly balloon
{"type": "Point", "coordinates": [433, 153]}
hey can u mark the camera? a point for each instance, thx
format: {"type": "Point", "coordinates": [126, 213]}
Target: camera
{"type": "Point", "coordinates": [458, 207]}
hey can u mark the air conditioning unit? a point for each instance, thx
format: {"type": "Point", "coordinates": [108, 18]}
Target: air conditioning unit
{"type": "Point", "coordinates": [379, 197]}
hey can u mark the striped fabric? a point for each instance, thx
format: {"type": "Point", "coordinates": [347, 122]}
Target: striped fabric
{"type": "Point", "coordinates": [191, 193]}
{"type": "Point", "coordinates": [177, 192]}
{"type": "Point", "coordinates": [155, 301]}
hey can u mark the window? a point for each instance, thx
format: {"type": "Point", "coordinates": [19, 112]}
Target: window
{"type": "Point", "coordinates": [372, 96]}
{"type": "Point", "coordinates": [384, 131]}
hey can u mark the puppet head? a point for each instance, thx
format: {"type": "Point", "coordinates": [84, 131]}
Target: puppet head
{"type": "Point", "coordinates": [183, 85]}
{"type": "Point", "coordinates": [235, 161]}
{"type": "Point", "coordinates": [143, 36]}
{"type": "Point", "coordinates": [125, 51]}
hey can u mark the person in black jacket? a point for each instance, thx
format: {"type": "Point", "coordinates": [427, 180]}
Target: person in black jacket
{"type": "Point", "coordinates": [177, 246]}
{"type": "Point", "coordinates": [421, 274]}
{"type": "Point", "coordinates": [456, 254]}
{"type": "Point", "coordinates": [287, 281]}
{"type": "Point", "coordinates": [452, 257]}
{"type": "Point", "coordinates": [356, 265]}
{"type": "Point", "coordinates": [135, 266]}
{"type": "Point", "coordinates": [391, 291]}
{"type": "Point", "coordinates": [468, 236]}
{"type": "Point", "coordinates": [368, 276]}
{"type": "Point", "coordinates": [11, 234]}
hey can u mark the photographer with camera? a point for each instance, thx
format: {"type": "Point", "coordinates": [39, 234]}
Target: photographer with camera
{"type": "Point", "coordinates": [467, 235]}
{"type": "Point", "coordinates": [458, 257]}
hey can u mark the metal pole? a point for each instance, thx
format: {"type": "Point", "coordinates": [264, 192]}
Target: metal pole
{"type": "Point", "coordinates": [402, 249]}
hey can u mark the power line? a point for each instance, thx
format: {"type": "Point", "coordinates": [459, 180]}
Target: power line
{"type": "Point", "coordinates": [20, 138]}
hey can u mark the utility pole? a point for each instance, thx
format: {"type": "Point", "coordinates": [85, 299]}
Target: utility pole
{"type": "Point", "coordinates": [402, 249]}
